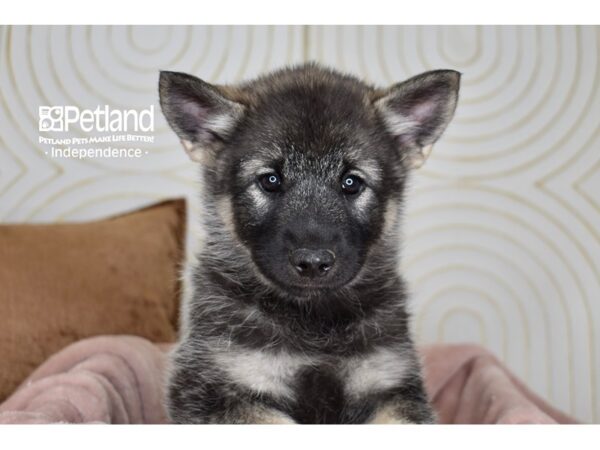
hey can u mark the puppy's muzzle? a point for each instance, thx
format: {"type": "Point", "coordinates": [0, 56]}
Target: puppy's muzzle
{"type": "Point", "coordinates": [312, 263]}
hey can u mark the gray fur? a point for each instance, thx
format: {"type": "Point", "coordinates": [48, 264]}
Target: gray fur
{"type": "Point", "coordinates": [260, 342]}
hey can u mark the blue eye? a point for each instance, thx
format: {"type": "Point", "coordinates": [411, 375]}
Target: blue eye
{"type": "Point", "coordinates": [270, 182]}
{"type": "Point", "coordinates": [351, 184]}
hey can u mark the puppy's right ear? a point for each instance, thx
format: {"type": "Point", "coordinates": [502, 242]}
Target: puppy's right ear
{"type": "Point", "coordinates": [198, 112]}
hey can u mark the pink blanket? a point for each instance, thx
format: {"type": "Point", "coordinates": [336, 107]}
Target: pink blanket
{"type": "Point", "coordinates": [118, 379]}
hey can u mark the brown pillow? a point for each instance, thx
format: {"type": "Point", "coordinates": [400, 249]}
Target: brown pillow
{"type": "Point", "coordinates": [63, 282]}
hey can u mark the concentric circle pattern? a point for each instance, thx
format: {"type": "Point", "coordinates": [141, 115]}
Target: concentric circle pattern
{"type": "Point", "coordinates": [502, 236]}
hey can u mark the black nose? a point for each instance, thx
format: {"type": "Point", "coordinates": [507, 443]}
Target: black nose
{"type": "Point", "coordinates": [312, 263]}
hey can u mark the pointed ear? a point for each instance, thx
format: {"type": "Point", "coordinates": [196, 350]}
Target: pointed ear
{"type": "Point", "coordinates": [417, 111]}
{"type": "Point", "coordinates": [198, 112]}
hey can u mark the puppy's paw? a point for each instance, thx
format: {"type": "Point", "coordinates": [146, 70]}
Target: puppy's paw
{"type": "Point", "coordinates": [278, 420]}
{"type": "Point", "coordinates": [388, 416]}
{"type": "Point", "coordinates": [267, 416]}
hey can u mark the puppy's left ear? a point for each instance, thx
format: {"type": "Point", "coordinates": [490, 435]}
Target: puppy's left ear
{"type": "Point", "coordinates": [418, 110]}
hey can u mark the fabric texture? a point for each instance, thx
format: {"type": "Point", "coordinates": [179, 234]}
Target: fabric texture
{"type": "Point", "coordinates": [469, 385]}
{"type": "Point", "coordinates": [60, 283]}
{"type": "Point", "coordinates": [120, 379]}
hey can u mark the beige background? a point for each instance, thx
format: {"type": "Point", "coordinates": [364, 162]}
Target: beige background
{"type": "Point", "coordinates": [503, 223]}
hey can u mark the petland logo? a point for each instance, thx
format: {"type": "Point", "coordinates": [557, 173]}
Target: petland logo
{"type": "Point", "coordinates": [108, 133]}
{"type": "Point", "coordinates": [101, 119]}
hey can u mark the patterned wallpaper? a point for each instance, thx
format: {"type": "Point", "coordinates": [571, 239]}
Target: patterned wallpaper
{"type": "Point", "coordinates": [502, 229]}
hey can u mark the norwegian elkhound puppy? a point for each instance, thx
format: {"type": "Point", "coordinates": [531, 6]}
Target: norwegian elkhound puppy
{"type": "Point", "coordinates": [297, 312]}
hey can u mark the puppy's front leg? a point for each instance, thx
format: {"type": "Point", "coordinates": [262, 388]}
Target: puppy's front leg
{"type": "Point", "coordinates": [252, 414]}
{"type": "Point", "coordinates": [195, 397]}
{"type": "Point", "coordinates": [389, 415]}
{"type": "Point", "coordinates": [400, 409]}
{"type": "Point", "coordinates": [225, 410]}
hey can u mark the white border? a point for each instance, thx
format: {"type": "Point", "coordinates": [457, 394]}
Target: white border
{"type": "Point", "coordinates": [265, 437]}
{"type": "Point", "coordinates": [300, 12]}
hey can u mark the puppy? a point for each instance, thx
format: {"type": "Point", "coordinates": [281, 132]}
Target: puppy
{"type": "Point", "coordinates": [296, 311]}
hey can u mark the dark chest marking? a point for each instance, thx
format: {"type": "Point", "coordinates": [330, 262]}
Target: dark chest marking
{"type": "Point", "coordinates": [321, 398]}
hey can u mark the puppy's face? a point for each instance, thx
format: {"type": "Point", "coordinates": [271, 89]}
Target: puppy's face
{"type": "Point", "coordinates": [308, 165]}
